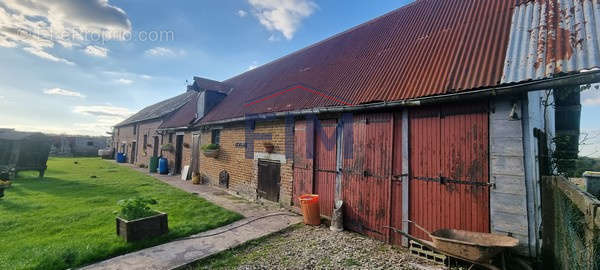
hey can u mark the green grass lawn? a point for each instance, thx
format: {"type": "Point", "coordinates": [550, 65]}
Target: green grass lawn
{"type": "Point", "coordinates": [67, 220]}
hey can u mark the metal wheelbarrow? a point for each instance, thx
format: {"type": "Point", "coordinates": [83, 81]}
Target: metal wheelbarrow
{"type": "Point", "coordinates": [474, 247]}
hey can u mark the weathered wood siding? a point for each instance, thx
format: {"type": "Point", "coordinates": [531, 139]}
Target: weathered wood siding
{"type": "Point", "coordinates": [535, 115]}
{"type": "Point", "coordinates": [508, 200]}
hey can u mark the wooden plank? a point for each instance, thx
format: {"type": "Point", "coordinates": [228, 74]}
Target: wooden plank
{"type": "Point", "coordinates": [508, 165]}
{"type": "Point", "coordinates": [581, 199]}
{"type": "Point", "coordinates": [405, 182]}
{"type": "Point", "coordinates": [584, 201]}
{"type": "Point", "coordinates": [510, 203]}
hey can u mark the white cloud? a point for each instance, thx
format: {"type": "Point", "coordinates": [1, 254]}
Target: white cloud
{"type": "Point", "coordinates": [591, 97]}
{"type": "Point", "coordinates": [38, 25]}
{"type": "Point", "coordinates": [42, 54]}
{"type": "Point", "coordinates": [273, 38]}
{"type": "Point", "coordinates": [63, 92]}
{"type": "Point", "coordinates": [242, 13]}
{"type": "Point", "coordinates": [253, 66]}
{"type": "Point", "coordinates": [162, 51]}
{"type": "Point", "coordinates": [96, 51]}
{"type": "Point", "coordinates": [283, 16]}
{"type": "Point", "coordinates": [103, 111]}
{"type": "Point", "coordinates": [146, 77]}
{"type": "Point", "coordinates": [124, 81]}
{"type": "Point", "coordinates": [591, 102]}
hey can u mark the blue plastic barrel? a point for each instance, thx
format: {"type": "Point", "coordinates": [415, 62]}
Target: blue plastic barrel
{"type": "Point", "coordinates": [120, 158]}
{"type": "Point", "coordinates": [163, 166]}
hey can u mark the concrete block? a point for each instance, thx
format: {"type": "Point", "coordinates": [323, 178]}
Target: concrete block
{"type": "Point", "coordinates": [592, 183]}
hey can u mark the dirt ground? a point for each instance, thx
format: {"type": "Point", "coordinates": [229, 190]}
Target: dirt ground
{"type": "Point", "coordinates": [307, 247]}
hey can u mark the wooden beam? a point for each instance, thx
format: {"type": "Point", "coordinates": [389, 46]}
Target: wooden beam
{"type": "Point", "coordinates": [405, 172]}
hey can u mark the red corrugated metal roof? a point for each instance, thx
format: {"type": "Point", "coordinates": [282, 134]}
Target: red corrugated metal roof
{"type": "Point", "coordinates": [426, 48]}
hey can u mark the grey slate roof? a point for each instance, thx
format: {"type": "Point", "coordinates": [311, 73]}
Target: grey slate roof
{"type": "Point", "coordinates": [160, 109]}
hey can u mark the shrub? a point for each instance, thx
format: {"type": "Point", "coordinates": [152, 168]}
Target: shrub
{"type": "Point", "coordinates": [136, 208]}
{"type": "Point", "coordinates": [167, 147]}
{"type": "Point", "coordinates": [210, 146]}
{"type": "Point", "coordinates": [4, 184]}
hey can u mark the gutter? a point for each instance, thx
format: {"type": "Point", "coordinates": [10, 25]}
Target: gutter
{"type": "Point", "coordinates": [580, 78]}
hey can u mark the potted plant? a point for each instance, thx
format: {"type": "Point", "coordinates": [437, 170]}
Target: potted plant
{"type": "Point", "coordinates": [167, 147]}
{"type": "Point", "coordinates": [210, 150]}
{"type": "Point", "coordinates": [196, 180]}
{"type": "Point", "coordinates": [269, 147]}
{"type": "Point", "coordinates": [137, 221]}
{"type": "Point", "coordinates": [3, 185]}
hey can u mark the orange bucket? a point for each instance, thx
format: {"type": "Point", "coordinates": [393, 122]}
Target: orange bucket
{"type": "Point", "coordinates": [310, 209]}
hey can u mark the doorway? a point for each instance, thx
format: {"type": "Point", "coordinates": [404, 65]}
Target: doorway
{"type": "Point", "coordinates": [133, 154]}
{"type": "Point", "coordinates": [178, 153]}
{"type": "Point", "coordinates": [155, 147]}
{"type": "Point", "coordinates": [269, 179]}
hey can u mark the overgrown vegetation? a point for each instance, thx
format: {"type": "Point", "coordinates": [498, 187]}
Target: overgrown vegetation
{"type": "Point", "coordinates": [67, 219]}
{"type": "Point", "coordinates": [136, 208]}
{"type": "Point", "coordinates": [210, 146]}
{"type": "Point", "coordinates": [584, 164]}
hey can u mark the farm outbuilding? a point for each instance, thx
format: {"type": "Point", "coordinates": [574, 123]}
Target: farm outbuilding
{"type": "Point", "coordinates": [147, 133]}
{"type": "Point", "coordinates": [23, 151]}
{"type": "Point", "coordinates": [441, 112]}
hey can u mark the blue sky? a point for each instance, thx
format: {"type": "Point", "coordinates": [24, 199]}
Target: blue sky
{"type": "Point", "coordinates": [73, 81]}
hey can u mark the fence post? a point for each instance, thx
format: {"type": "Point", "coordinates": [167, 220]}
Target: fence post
{"type": "Point", "coordinates": [548, 232]}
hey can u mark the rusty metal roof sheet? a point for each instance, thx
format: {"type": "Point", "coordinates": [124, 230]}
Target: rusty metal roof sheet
{"type": "Point", "coordinates": [184, 116]}
{"type": "Point", "coordinates": [426, 48]}
{"type": "Point", "coordinates": [550, 37]}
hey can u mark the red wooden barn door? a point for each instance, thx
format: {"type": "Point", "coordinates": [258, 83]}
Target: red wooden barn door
{"type": "Point", "coordinates": [325, 164]}
{"type": "Point", "coordinates": [366, 176]}
{"type": "Point", "coordinates": [303, 162]}
{"type": "Point", "coordinates": [449, 169]}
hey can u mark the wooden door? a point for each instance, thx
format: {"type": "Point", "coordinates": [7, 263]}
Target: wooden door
{"type": "Point", "coordinates": [269, 179]}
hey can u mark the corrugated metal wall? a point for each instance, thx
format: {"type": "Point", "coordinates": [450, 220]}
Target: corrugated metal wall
{"type": "Point", "coordinates": [325, 164]}
{"type": "Point", "coordinates": [366, 177]}
{"type": "Point", "coordinates": [548, 37]}
{"type": "Point", "coordinates": [449, 172]}
{"type": "Point", "coordinates": [303, 164]}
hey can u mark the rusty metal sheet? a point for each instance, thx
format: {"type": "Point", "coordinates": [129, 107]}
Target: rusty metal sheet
{"type": "Point", "coordinates": [303, 164]}
{"type": "Point", "coordinates": [325, 164]}
{"type": "Point", "coordinates": [449, 172]}
{"type": "Point", "coordinates": [366, 177]}
{"type": "Point", "coordinates": [549, 37]}
{"type": "Point", "coordinates": [426, 48]}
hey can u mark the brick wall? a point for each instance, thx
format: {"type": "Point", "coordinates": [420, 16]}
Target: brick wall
{"type": "Point", "coordinates": [243, 172]}
{"type": "Point", "coordinates": [187, 150]}
{"type": "Point", "coordinates": [124, 135]}
{"type": "Point", "coordinates": [146, 151]}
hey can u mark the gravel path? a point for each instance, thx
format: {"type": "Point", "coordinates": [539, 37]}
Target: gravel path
{"type": "Point", "coordinates": [306, 247]}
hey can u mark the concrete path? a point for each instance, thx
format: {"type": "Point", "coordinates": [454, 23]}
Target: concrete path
{"type": "Point", "coordinates": [259, 221]}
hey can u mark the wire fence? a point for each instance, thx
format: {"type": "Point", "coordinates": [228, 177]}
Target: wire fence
{"type": "Point", "coordinates": [571, 227]}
